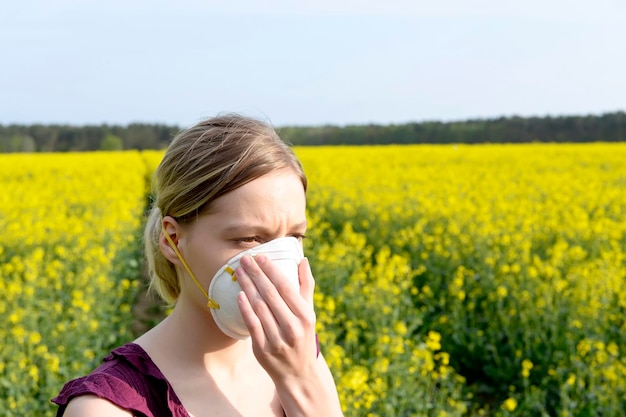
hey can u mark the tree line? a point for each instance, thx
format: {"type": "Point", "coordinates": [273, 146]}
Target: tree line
{"type": "Point", "coordinates": [608, 127]}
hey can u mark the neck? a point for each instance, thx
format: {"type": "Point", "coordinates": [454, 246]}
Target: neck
{"type": "Point", "coordinates": [190, 338]}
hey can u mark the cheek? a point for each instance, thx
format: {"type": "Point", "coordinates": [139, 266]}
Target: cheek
{"type": "Point", "coordinates": [205, 261]}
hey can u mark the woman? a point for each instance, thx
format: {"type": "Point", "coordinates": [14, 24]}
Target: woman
{"type": "Point", "coordinates": [226, 185]}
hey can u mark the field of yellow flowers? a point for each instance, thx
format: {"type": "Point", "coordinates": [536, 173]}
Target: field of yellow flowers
{"type": "Point", "coordinates": [451, 280]}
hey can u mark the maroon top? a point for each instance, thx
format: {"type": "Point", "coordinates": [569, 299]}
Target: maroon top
{"type": "Point", "coordinates": [129, 379]}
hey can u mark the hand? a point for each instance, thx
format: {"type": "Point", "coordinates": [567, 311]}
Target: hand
{"type": "Point", "coordinates": [281, 319]}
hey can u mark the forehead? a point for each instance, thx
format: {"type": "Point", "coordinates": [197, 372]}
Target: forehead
{"type": "Point", "coordinates": [276, 195]}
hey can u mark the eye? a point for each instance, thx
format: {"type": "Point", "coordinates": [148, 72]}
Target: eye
{"type": "Point", "coordinates": [299, 236]}
{"type": "Point", "coordinates": [248, 240]}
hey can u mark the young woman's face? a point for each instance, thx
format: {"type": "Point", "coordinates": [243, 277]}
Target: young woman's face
{"type": "Point", "coordinates": [264, 209]}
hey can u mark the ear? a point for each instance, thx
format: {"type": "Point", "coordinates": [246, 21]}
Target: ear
{"type": "Point", "coordinates": [172, 228]}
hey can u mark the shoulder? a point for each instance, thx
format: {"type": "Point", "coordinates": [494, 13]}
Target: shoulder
{"type": "Point", "coordinates": [96, 390]}
{"type": "Point", "coordinates": [126, 380]}
{"type": "Point", "coordinates": [93, 406]}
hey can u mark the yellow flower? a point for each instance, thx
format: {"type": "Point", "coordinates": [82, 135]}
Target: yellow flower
{"type": "Point", "coordinates": [571, 379]}
{"type": "Point", "coordinates": [527, 365]}
{"type": "Point", "coordinates": [613, 349]}
{"type": "Point", "coordinates": [501, 291]}
{"type": "Point", "coordinates": [400, 328]}
{"type": "Point", "coordinates": [510, 404]}
{"type": "Point", "coordinates": [34, 338]}
{"type": "Point", "coordinates": [433, 341]}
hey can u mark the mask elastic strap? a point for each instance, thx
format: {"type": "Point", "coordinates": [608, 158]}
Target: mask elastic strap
{"type": "Point", "coordinates": [211, 303]}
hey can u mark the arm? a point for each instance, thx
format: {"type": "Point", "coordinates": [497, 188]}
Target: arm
{"type": "Point", "coordinates": [317, 396]}
{"type": "Point", "coordinates": [281, 321]}
{"type": "Point", "coordinates": [93, 406]}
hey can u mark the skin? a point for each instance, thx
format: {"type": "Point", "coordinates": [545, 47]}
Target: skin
{"type": "Point", "coordinates": [276, 368]}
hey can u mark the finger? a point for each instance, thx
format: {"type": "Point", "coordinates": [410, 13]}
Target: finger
{"type": "Point", "coordinates": [251, 320]}
{"type": "Point", "coordinates": [287, 318]}
{"type": "Point", "coordinates": [307, 281]}
{"type": "Point", "coordinates": [280, 287]}
{"type": "Point", "coordinates": [298, 318]}
{"type": "Point", "coordinates": [257, 289]}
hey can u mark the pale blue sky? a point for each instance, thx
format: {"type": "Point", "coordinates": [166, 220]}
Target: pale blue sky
{"type": "Point", "coordinates": [309, 63]}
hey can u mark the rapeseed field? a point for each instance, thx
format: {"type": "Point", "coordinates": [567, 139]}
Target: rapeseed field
{"type": "Point", "coordinates": [484, 280]}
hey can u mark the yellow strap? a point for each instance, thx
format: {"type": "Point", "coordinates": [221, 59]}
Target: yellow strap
{"type": "Point", "coordinates": [211, 303]}
{"type": "Point", "coordinates": [231, 271]}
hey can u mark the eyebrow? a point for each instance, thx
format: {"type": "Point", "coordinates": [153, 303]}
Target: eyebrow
{"type": "Point", "coordinates": [259, 228]}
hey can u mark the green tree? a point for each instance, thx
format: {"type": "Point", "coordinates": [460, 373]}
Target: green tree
{"type": "Point", "coordinates": [111, 143]}
{"type": "Point", "coordinates": [18, 143]}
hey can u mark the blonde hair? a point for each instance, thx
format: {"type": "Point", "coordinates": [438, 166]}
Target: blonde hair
{"type": "Point", "coordinates": [203, 163]}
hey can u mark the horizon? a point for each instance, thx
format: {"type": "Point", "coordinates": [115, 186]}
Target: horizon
{"type": "Point", "coordinates": [484, 119]}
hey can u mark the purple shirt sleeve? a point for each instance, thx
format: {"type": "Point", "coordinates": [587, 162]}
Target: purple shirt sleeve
{"type": "Point", "coordinates": [129, 379]}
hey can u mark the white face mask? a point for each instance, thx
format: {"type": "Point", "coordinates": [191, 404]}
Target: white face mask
{"type": "Point", "coordinates": [285, 253]}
